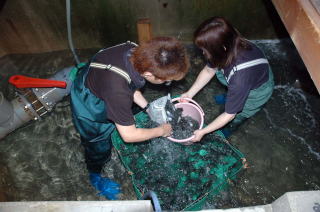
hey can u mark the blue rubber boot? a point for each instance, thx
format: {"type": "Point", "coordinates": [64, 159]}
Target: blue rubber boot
{"type": "Point", "coordinates": [107, 187]}
{"type": "Point", "coordinates": [226, 132]}
{"type": "Point", "coordinates": [220, 99]}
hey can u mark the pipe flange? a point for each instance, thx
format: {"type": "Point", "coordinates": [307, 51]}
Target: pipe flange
{"type": "Point", "coordinates": [32, 104]}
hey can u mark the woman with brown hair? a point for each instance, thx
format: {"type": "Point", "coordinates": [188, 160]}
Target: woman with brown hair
{"type": "Point", "coordinates": [103, 93]}
{"type": "Point", "coordinates": [238, 64]}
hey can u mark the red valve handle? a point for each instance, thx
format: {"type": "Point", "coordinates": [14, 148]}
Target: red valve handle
{"type": "Point", "coordinates": [28, 82]}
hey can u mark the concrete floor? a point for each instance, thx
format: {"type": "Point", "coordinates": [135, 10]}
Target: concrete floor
{"type": "Point", "coordinates": [43, 161]}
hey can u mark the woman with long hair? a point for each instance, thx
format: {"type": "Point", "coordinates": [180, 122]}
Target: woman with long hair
{"type": "Point", "coordinates": [238, 64]}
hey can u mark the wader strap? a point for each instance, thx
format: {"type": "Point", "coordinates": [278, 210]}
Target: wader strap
{"type": "Point", "coordinates": [245, 65]}
{"type": "Point", "coordinates": [112, 68]}
{"type": "Point", "coordinates": [121, 44]}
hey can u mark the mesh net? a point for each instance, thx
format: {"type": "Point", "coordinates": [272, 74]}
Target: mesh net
{"type": "Point", "coordinates": [182, 176]}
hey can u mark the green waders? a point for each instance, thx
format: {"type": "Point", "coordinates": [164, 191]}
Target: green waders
{"type": "Point", "coordinates": [89, 117]}
{"type": "Point", "coordinates": [256, 99]}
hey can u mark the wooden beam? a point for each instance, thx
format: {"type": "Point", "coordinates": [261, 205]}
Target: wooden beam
{"type": "Point", "coordinates": [144, 30]}
{"type": "Point", "coordinates": [302, 21]}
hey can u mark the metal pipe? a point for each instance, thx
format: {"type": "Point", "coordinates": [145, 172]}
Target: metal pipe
{"type": "Point", "coordinates": [31, 104]}
{"type": "Point", "coordinates": [50, 96]}
{"type": "Point", "coordinates": [6, 110]}
{"type": "Point", "coordinates": [21, 114]}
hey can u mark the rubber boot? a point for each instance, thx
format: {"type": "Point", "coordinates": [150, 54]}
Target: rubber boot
{"type": "Point", "coordinates": [226, 132]}
{"type": "Point", "coordinates": [220, 99]}
{"type": "Point", "coordinates": [233, 126]}
{"type": "Point", "coordinates": [105, 186]}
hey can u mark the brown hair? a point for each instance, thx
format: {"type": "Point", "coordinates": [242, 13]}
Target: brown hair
{"type": "Point", "coordinates": [164, 57]}
{"type": "Point", "coordinates": [220, 41]}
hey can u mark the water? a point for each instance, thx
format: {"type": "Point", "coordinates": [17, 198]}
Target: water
{"type": "Point", "coordinates": [44, 160]}
{"type": "Point", "coordinates": [281, 145]}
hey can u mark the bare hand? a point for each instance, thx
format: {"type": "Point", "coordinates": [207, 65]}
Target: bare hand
{"type": "Point", "coordinates": [184, 95]}
{"type": "Point", "coordinates": [198, 134]}
{"type": "Point", "coordinates": [167, 130]}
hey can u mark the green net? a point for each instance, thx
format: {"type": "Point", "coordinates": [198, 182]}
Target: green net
{"type": "Point", "coordinates": [184, 177]}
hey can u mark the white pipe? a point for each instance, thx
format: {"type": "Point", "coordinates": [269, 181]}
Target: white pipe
{"type": "Point", "coordinates": [21, 114]}
{"type": "Point", "coordinates": [6, 110]}
{"type": "Point", "coordinates": [21, 110]}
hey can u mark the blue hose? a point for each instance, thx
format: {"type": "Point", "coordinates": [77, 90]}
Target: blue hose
{"type": "Point", "coordinates": [150, 195]}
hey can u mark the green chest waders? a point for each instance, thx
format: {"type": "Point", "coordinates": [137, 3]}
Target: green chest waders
{"type": "Point", "coordinates": [256, 98]}
{"type": "Point", "coordinates": [89, 117]}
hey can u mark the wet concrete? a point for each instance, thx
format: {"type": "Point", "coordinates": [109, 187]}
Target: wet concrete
{"type": "Point", "coordinates": [44, 159]}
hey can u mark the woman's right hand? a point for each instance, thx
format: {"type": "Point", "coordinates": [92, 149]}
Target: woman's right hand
{"type": "Point", "coordinates": [166, 130]}
{"type": "Point", "coordinates": [184, 95]}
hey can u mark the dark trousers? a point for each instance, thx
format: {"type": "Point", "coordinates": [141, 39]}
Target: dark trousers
{"type": "Point", "coordinates": [97, 154]}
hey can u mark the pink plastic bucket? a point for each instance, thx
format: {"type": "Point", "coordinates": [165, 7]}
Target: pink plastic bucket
{"type": "Point", "coordinates": [192, 109]}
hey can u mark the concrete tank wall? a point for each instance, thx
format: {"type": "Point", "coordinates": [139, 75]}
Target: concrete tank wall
{"type": "Point", "coordinates": [40, 26]}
